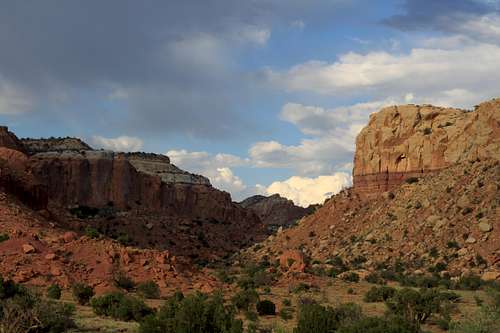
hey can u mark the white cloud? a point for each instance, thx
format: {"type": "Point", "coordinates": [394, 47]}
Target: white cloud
{"type": "Point", "coordinates": [121, 143]}
{"type": "Point", "coordinates": [332, 135]}
{"type": "Point", "coordinates": [13, 99]}
{"type": "Point", "coordinates": [306, 191]}
{"type": "Point", "coordinates": [217, 167]}
{"type": "Point", "coordinates": [429, 72]}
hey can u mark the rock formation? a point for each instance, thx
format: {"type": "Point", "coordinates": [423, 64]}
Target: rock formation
{"type": "Point", "coordinates": [126, 194]}
{"type": "Point", "coordinates": [34, 146]}
{"type": "Point", "coordinates": [276, 210]}
{"type": "Point", "coordinates": [408, 141]}
{"type": "Point", "coordinates": [10, 140]}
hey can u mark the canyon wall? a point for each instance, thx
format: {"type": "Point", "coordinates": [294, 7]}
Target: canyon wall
{"type": "Point", "coordinates": [71, 173]}
{"type": "Point", "coordinates": [411, 140]}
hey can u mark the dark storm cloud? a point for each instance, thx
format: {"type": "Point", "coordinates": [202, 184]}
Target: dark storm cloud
{"type": "Point", "coordinates": [443, 15]}
{"type": "Point", "coordinates": [170, 61]}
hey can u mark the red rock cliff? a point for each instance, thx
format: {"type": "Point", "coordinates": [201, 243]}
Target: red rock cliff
{"type": "Point", "coordinates": [411, 140]}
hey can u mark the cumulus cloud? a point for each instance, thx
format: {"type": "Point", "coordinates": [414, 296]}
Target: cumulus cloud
{"type": "Point", "coordinates": [121, 144]}
{"type": "Point", "coordinates": [217, 167]}
{"type": "Point", "coordinates": [332, 133]}
{"type": "Point", "coordinates": [305, 191]}
{"type": "Point", "coordinates": [430, 74]}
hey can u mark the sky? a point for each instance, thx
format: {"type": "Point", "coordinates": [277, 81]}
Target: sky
{"type": "Point", "coordinates": [260, 96]}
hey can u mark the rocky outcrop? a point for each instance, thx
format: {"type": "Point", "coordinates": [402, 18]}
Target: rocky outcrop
{"type": "Point", "coordinates": [15, 179]}
{"type": "Point", "coordinates": [159, 165]}
{"type": "Point", "coordinates": [276, 210]}
{"type": "Point", "coordinates": [9, 140]}
{"type": "Point", "coordinates": [67, 172]}
{"type": "Point", "coordinates": [34, 146]}
{"type": "Point", "coordinates": [103, 178]}
{"type": "Point", "coordinates": [408, 141]}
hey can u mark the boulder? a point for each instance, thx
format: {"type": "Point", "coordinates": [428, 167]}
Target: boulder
{"type": "Point", "coordinates": [70, 236]}
{"type": "Point", "coordinates": [490, 276]}
{"type": "Point", "coordinates": [485, 227]}
{"type": "Point", "coordinates": [28, 248]}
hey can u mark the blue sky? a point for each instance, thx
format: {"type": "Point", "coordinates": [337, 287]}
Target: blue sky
{"type": "Point", "coordinates": [261, 96]}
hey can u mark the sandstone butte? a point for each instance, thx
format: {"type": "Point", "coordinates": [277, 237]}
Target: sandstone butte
{"type": "Point", "coordinates": [455, 198]}
{"type": "Point", "coordinates": [412, 140]}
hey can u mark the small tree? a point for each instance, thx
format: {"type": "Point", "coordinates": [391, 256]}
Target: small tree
{"type": "Point", "coordinates": [54, 291]}
{"type": "Point", "coordinates": [148, 289]}
{"type": "Point", "coordinates": [82, 293]}
{"type": "Point", "coordinates": [415, 306]}
{"type": "Point", "coordinates": [266, 308]}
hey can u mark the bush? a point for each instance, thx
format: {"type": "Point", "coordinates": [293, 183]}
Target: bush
{"type": "Point", "coordinates": [379, 294]}
{"type": "Point", "coordinates": [119, 306]}
{"type": "Point", "coordinates": [195, 313]}
{"type": "Point", "coordinates": [124, 239]}
{"type": "Point", "coordinates": [148, 289]}
{"type": "Point", "coordinates": [411, 180]}
{"type": "Point", "coordinates": [351, 277]}
{"type": "Point", "coordinates": [82, 293]}
{"type": "Point", "coordinates": [54, 291]}
{"type": "Point", "coordinates": [4, 237]}
{"type": "Point", "coordinates": [319, 319]}
{"type": "Point", "coordinates": [286, 313]}
{"type": "Point", "coordinates": [414, 306]}
{"type": "Point", "coordinates": [469, 282]}
{"type": "Point", "coordinates": [245, 298]}
{"type": "Point", "coordinates": [121, 280]}
{"type": "Point", "coordinates": [266, 308]}
{"type": "Point", "coordinates": [22, 311]}
{"type": "Point", "coordinates": [84, 212]}
{"type": "Point", "coordinates": [91, 232]}
{"type": "Point", "coordinates": [375, 278]}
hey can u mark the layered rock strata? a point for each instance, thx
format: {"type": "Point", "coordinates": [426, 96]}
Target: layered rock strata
{"type": "Point", "coordinates": [411, 140]}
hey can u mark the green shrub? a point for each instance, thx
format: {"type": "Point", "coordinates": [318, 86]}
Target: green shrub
{"type": "Point", "coordinates": [54, 291]}
{"type": "Point", "coordinates": [351, 277]}
{"type": "Point", "coordinates": [251, 315]}
{"type": "Point", "coordinates": [453, 245]}
{"type": "Point", "coordinates": [411, 180]}
{"type": "Point", "coordinates": [415, 306]}
{"type": "Point", "coordinates": [319, 319]}
{"type": "Point", "coordinates": [375, 277]}
{"type": "Point", "coordinates": [379, 294]}
{"type": "Point", "coordinates": [243, 299]}
{"type": "Point", "coordinates": [287, 302]}
{"type": "Point", "coordinates": [266, 308]}
{"type": "Point", "coordinates": [194, 313]}
{"type": "Point", "coordinates": [91, 232]}
{"type": "Point", "coordinates": [148, 289]}
{"type": "Point", "coordinates": [22, 311]}
{"type": "Point", "coordinates": [4, 237]}
{"type": "Point", "coordinates": [286, 313]}
{"type": "Point", "coordinates": [82, 293]}
{"type": "Point", "coordinates": [119, 306]}
{"type": "Point", "coordinates": [84, 212]}
{"type": "Point", "coordinates": [469, 282]}
{"type": "Point", "coordinates": [121, 280]}
{"type": "Point", "coordinates": [124, 239]}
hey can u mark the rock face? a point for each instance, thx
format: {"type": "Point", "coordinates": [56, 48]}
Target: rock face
{"type": "Point", "coordinates": [34, 146]}
{"type": "Point", "coordinates": [408, 141]}
{"type": "Point", "coordinates": [68, 172]}
{"type": "Point", "coordinates": [9, 140]}
{"type": "Point", "coordinates": [275, 210]}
